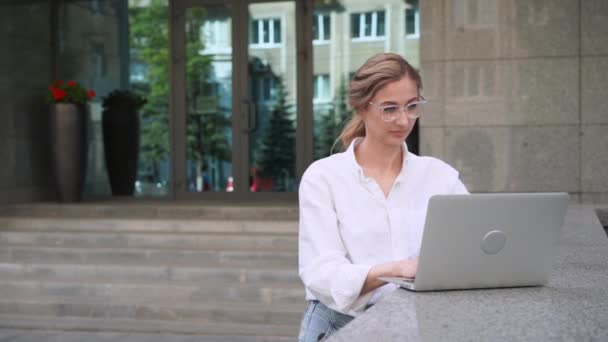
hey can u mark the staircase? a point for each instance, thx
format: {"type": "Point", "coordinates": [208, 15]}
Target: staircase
{"type": "Point", "coordinates": [221, 272]}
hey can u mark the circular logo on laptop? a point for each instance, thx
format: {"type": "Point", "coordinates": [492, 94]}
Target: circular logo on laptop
{"type": "Point", "coordinates": [493, 242]}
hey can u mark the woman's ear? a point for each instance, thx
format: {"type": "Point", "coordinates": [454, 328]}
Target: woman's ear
{"type": "Point", "coordinates": [363, 113]}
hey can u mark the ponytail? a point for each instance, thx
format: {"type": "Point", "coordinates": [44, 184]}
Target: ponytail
{"type": "Point", "coordinates": [354, 128]}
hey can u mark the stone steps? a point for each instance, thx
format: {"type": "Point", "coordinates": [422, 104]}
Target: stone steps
{"type": "Point", "coordinates": [201, 241]}
{"type": "Point", "coordinates": [144, 256]}
{"type": "Point", "coordinates": [155, 273]}
{"type": "Point", "coordinates": [113, 291]}
{"type": "Point", "coordinates": [155, 210]}
{"type": "Point", "coordinates": [134, 225]}
{"type": "Point", "coordinates": [232, 331]}
{"type": "Point", "coordinates": [212, 271]}
{"type": "Point", "coordinates": [105, 336]}
{"type": "Point", "coordinates": [206, 312]}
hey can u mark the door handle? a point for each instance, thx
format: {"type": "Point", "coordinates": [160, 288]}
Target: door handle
{"type": "Point", "coordinates": [251, 116]}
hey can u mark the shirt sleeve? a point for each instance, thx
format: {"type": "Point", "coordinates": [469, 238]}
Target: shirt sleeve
{"type": "Point", "coordinates": [323, 264]}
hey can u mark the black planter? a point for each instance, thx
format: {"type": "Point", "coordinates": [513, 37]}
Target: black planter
{"type": "Point", "coordinates": [121, 148]}
{"type": "Point", "coordinates": [69, 146]}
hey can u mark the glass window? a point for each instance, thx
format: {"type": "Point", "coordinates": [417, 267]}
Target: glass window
{"type": "Point", "coordinates": [266, 32]}
{"type": "Point", "coordinates": [354, 25]}
{"type": "Point", "coordinates": [368, 25]}
{"type": "Point", "coordinates": [254, 32]}
{"type": "Point", "coordinates": [216, 35]}
{"type": "Point", "coordinates": [262, 88]}
{"type": "Point", "coordinates": [277, 31]}
{"type": "Point", "coordinates": [412, 19]}
{"type": "Point", "coordinates": [267, 88]}
{"type": "Point", "coordinates": [327, 28]}
{"type": "Point", "coordinates": [320, 28]}
{"type": "Point", "coordinates": [380, 24]}
{"type": "Point", "coordinates": [321, 90]}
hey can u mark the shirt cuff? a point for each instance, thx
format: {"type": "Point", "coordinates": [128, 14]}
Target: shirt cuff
{"type": "Point", "coordinates": [348, 286]}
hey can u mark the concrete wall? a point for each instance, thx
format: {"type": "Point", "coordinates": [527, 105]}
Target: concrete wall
{"type": "Point", "coordinates": [25, 70]}
{"type": "Point", "coordinates": [519, 93]}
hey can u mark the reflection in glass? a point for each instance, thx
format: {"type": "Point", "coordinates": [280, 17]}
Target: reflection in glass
{"type": "Point", "coordinates": [412, 18]}
{"type": "Point", "coordinates": [208, 99]}
{"type": "Point", "coordinates": [121, 44]}
{"type": "Point", "coordinates": [149, 76]}
{"type": "Point", "coordinates": [272, 84]}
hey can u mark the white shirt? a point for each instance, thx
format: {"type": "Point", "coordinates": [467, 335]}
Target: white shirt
{"type": "Point", "coordinates": [347, 225]}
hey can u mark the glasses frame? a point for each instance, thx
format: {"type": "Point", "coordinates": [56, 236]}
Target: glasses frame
{"type": "Point", "coordinates": [402, 109]}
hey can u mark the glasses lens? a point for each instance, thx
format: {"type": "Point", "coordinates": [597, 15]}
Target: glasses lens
{"type": "Point", "coordinates": [390, 109]}
{"type": "Point", "coordinates": [415, 108]}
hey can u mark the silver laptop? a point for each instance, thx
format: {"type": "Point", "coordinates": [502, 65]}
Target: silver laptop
{"type": "Point", "coordinates": [488, 241]}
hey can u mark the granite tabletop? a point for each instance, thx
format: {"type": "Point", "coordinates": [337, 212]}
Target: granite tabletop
{"type": "Point", "coordinates": [573, 306]}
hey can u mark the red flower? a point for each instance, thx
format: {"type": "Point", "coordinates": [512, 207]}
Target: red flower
{"type": "Point", "coordinates": [58, 94]}
{"type": "Point", "coordinates": [69, 91]}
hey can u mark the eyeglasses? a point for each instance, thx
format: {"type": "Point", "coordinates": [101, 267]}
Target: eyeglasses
{"type": "Point", "coordinates": [390, 113]}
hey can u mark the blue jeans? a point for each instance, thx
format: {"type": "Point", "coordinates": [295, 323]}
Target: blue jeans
{"type": "Point", "coordinates": [319, 322]}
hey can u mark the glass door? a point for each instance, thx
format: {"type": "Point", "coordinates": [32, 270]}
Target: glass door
{"type": "Point", "coordinates": [235, 99]}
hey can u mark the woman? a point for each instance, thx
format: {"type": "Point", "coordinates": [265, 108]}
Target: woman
{"type": "Point", "coordinates": [362, 211]}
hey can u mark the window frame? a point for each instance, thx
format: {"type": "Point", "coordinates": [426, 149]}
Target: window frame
{"type": "Point", "coordinates": [416, 33]}
{"type": "Point", "coordinates": [220, 29]}
{"type": "Point", "coordinates": [318, 87]}
{"type": "Point", "coordinates": [324, 33]}
{"type": "Point", "coordinates": [373, 26]}
{"type": "Point", "coordinates": [274, 40]}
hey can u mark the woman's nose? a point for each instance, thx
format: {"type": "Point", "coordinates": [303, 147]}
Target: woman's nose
{"type": "Point", "coordinates": [402, 119]}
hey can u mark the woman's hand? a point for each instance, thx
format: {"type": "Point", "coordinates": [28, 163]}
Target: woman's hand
{"type": "Point", "coordinates": [406, 268]}
{"type": "Point", "coordinates": [400, 268]}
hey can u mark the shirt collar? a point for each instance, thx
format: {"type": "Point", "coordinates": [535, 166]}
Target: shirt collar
{"type": "Point", "coordinates": [358, 170]}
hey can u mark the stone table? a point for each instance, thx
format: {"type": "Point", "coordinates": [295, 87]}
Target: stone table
{"type": "Point", "coordinates": [573, 306]}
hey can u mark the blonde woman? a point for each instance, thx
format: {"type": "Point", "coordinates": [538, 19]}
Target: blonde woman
{"type": "Point", "coordinates": [362, 211]}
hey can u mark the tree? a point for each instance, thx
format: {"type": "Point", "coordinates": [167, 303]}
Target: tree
{"type": "Point", "coordinates": [342, 112]}
{"type": "Point", "coordinates": [150, 42]}
{"type": "Point", "coordinates": [331, 123]}
{"type": "Point", "coordinates": [276, 153]}
{"type": "Point", "coordinates": [327, 134]}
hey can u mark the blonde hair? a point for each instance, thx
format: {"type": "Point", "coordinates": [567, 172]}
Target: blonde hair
{"type": "Point", "coordinates": [378, 71]}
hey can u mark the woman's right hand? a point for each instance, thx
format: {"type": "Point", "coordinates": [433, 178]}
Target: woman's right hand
{"type": "Point", "coordinates": [406, 268]}
{"type": "Point", "coordinates": [400, 268]}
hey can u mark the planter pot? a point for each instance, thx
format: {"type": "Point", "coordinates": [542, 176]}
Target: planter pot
{"type": "Point", "coordinates": [69, 146]}
{"type": "Point", "coordinates": [121, 149]}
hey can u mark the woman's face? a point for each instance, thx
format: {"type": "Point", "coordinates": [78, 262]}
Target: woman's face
{"type": "Point", "coordinates": [400, 93]}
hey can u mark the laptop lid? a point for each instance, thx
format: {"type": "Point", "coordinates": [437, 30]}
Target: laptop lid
{"type": "Point", "coordinates": [489, 240]}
